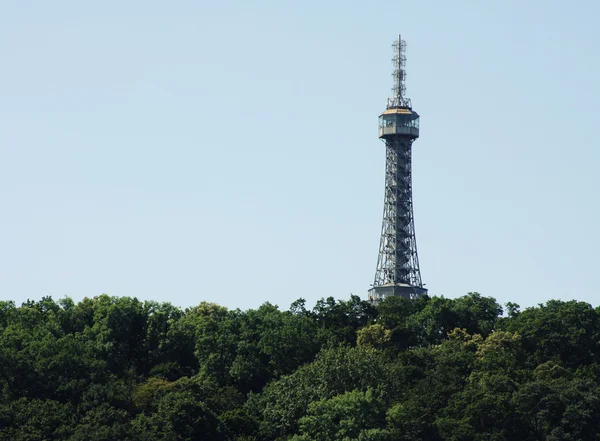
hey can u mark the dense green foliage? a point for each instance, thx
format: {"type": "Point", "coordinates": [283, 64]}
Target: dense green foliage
{"type": "Point", "coordinates": [433, 369]}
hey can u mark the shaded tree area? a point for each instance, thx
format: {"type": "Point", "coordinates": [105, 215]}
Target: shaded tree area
{"type": "Point", "coordinates": [112, 368]}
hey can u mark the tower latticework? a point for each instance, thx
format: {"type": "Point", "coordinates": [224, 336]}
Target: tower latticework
{"type": "Point", "coordinates": [398, 272]}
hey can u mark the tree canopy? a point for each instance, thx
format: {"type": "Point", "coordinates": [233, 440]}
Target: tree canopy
{"type": "Point", "coordinates": [111, 368]}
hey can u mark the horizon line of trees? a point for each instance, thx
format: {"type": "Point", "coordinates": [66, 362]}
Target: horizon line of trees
{"type": "Point", "coordinates": [110, 368]}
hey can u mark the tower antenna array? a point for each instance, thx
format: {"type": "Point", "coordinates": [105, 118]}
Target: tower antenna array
{"type": "Point", "coordinates": [398, 98]}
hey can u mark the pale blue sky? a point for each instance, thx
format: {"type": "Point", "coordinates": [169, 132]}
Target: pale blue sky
{"type": "Point", "coordinates": [227, 151]}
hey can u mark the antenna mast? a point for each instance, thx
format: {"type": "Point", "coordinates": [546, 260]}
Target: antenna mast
{"type": "Point", "coordinates": [399, 74]}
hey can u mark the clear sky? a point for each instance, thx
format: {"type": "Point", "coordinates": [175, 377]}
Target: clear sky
{"type": "Point", "coordinates": [227, 151]}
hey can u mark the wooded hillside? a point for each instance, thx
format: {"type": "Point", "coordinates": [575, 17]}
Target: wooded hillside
{"type": "Point", "coordinates": [433, 369]}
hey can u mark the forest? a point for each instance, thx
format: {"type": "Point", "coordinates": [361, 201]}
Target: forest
{"type": "Point", "coordinates": [117, 368]}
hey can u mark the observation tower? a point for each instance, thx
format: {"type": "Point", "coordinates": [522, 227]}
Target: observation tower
{"type": "Point", "coordinates": [398, 272]}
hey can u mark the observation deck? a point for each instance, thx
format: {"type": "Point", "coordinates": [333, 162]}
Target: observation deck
{"type": "Point", "coordinates": [399, 121]}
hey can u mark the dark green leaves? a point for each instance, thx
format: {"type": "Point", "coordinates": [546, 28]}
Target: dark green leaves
{"type": "Point", "coordinates": [112, 368]}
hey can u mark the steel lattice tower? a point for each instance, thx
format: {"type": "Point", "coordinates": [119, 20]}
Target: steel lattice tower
{"type": "Point", "coordinates": [398, 272]}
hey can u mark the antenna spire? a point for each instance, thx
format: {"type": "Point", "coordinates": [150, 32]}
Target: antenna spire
{"type": "Point", "coordinates": [399, 74]}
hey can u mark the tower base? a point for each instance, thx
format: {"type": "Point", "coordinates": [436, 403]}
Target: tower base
{"type": "Point", "coordinates": [378, 293]}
